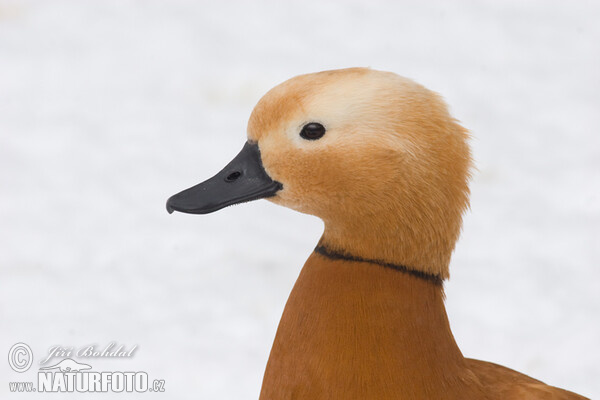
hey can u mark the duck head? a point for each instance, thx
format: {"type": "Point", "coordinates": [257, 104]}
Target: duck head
{"type": "Point", "coordinates": [376, 156]}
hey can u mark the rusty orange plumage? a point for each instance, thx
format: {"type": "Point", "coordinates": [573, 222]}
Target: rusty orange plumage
{"type": "Point", "coordinates": [388, 172]}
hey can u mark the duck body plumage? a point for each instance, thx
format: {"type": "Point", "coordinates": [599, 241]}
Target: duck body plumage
{"type": "Point", "coordinates": [358, 330]}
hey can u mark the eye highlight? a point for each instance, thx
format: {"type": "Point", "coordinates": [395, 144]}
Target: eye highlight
{"type": "Point", "coordinates": [312, 131]}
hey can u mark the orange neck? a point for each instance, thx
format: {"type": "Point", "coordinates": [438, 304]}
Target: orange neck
{"type": "Point", "coordinates": [358, 330]}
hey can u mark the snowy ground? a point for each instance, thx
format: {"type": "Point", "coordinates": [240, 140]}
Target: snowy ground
{"type": "Point", "coordinates": [109, 107]}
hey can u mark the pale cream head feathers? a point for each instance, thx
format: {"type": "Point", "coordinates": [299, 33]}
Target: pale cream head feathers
{"type": "Point", "coordinates": [390, 176]}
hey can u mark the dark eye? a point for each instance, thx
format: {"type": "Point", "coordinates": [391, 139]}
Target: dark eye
{"type": "Point", "coordinates": [312, 131]}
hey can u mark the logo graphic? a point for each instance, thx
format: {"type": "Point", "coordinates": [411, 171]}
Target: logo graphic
{"type": "Point", "coordinates": [70, 376]}
{"type": "Point", "coordinates": [20, 357]}
{"type": "Point", "coordinates": [69, 365]}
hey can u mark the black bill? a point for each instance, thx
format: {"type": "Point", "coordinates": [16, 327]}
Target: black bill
{"type": "Point", "coordinates": [243, 179]}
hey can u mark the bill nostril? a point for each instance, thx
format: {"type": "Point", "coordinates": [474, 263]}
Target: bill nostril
{"type": "Point", "coordinates": [233, 176]}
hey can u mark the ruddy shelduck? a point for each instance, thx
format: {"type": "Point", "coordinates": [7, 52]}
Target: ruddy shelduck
{"type": "Point", "coordinates": [380, 160]}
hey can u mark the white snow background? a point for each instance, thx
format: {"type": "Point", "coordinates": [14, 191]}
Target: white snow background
{"type": "Point", "coordinates": [109, 107]}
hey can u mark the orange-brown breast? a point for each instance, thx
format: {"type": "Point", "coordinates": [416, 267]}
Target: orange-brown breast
{"type": "Point", "coordinates": [358, 331]}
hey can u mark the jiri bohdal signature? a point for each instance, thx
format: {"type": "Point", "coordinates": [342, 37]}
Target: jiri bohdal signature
{"type": "Point", "coordinates": [90, 351]}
